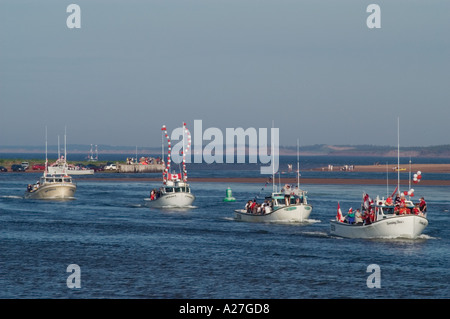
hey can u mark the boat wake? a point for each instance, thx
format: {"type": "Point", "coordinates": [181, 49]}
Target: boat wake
{"type": "Point", "coordinates": [321, 234]}
{"type": "Point", "coordinates": [12, 197]}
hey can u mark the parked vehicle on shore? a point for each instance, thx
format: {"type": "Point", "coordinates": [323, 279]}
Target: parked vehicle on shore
{"type": "Point", "coordinates": [110, 166]}
{"type": "Point", "coordinates": [3, 169]}
{"type": "Point", "coordinates": [17, 168]}
{"type": "Point", "coordinates": [38, 167]}
{"type": "Point", "coordinates": [25, 165]}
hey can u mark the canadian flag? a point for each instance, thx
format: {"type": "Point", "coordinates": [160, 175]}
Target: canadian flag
{"type": "Point", "coordinates": [174, 176]}
{"type": "Point", "coordinates": [339, 216]}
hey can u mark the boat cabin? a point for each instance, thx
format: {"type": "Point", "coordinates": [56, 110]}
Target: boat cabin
{"type": "Point", "coordinates": [55, 179]}
{"type": "Point", "coordinates": [277, 199]}
{"type": "Point", "coordinates": [176, 187]}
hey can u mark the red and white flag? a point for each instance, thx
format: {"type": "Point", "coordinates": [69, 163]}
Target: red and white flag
{"type": "Point", "coordinates": [339, 216]}
{"type": "Point", "coordinates": [174, 176]}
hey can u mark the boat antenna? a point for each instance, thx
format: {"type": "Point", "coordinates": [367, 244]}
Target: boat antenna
{"type": "Point", "coordinates": [298, 166]}
{"type": "Point", "coordinates": [387, 180]}
{"type": "Point", "coordinates": [162, 149]}
{"type": "Point", "coordinates": [272, 151]}
{"type": "Point", "coordinates": [409, 184]}
{"type": "Point", "coordinates": [182, 153]}
{"type": "Point", "coordinates": [65, 151]}
{"type": "Point", "coordinates": [46, 159]}
{"type": "Point", "coordinates": [398, 154]}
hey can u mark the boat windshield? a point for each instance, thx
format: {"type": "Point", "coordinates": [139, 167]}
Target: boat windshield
{"type": "Point", "coordinates": [57, 179]}
{"type": "Point", "coordinates": [177, 189]}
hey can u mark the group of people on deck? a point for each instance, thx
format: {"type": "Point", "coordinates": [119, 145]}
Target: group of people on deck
{"type": "Point", "coordinates": [32, 188]}
{"type": "Point", "coordinates": [155, 194]}
{"type": "Point", "coordinates": [289, 192]}
{"type": "Point", "coordinates": [359, 218]}
{"type": "Point", "coordinates": [252, 207]}
{"type": "Point", "coordinates": [400, 208]}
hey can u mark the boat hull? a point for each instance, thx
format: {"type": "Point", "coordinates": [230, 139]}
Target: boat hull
{"type": "Point", "coordinates": [289, 214]}
{"type": "Point", "coordinates": [172, 200]}
{"type": "Point", "coordinates": [57, 191]}
{"type": "Point", "coordinates": [403, 226]}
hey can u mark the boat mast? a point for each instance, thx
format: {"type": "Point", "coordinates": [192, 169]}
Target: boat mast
{"type": "Point", "coordinates": [46, 159]}
{"type": "Point", "coordinates": [409, 182]}
{"type": "Point", "coordinates": [387, 180]}
{"type": "Point", "coordinates": [398, 154]}
{"type": "Point", "coordinates": [163, 132]}
{"type": "Point", "coordinates": [272, 151]}
{"type": "Point", "coordinates": [182, 152]}
{"type": "Point", "coordinates": [65, 151]}
{"type": "Point", "coordinates": [298, 166]}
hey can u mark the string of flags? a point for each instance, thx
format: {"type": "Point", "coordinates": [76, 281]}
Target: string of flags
{"type": "Point", "coordinates": [183, 152]}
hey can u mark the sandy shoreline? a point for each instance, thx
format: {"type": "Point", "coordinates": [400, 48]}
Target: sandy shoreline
{"type": "Point", "coordinates": [424, 168]}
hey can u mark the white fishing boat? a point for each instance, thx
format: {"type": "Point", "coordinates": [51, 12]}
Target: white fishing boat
{"type": "Point", "coordinates": [275, 209]}
{"type": "Point", "coordinates": [175, 191]}
{"type": "Point", "coordinates": [51, 186]}
{"type": "Point", "coordinates": [384, 218]}
{"type": "Point", "coordinates": [59, 168]}
{"type": "Point", "coordinates": [285, 206]}
{"type": "Point", "coordinates": [388, 223]}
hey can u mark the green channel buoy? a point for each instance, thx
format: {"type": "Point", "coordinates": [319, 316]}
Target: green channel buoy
{"type": "Point", "coordinates": [229, 197]}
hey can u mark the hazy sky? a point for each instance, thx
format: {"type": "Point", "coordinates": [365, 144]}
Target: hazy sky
{"type": "Point", "coordinates": [313, 67]}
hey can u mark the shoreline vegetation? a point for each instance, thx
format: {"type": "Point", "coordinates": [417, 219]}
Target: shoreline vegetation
{"type": "Point", "coordinates": [424, 168]}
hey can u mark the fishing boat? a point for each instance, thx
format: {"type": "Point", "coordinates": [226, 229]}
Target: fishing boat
{"type": "Point", "coordinates": [52, 186]}
{"type": "Point", "coordinates": [280, 206]}
{"type": "Point", "coordinates": [276, 209]}
{"type": "Point", "coordinates": [175, 191]}
{"type": "Point", "coordinates": [387, 222]}
{"type": "Point", "coordinates": [384, 218]}
{"type": "Point", "coordinates": [61, 167]}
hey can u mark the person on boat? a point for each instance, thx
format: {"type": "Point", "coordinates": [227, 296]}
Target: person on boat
{"type": "Point", "coordinates": [388, 201]}
{"type": "Point", "coordinates": [351, 216]}
{"type": "Point", "coordinates": [152, 194]}
{"type": "Point", "coordinates": [358, 217]}
{"type": "Point", "coordinates": [296, 193]}
{"type": "Point", "coordinates": [29, 188]}
{"type": "Point", "coordinates": [267, 207]}
{"type": "Point", "coordinates": [247, 206]}
{"type": "Point", "coordinates": [287, 194]}
{"type": "Point", "coordinates": [416, 209]}
{"type": "Point", "coordinates": [403, 209]}
{"type": "Point", "coordinates": [372, 215]}
{"type": "Point", "coordinates": [252, 207]}
{"type": "Point", "coordinates": [397, 199]}
{"type": "Point", "coordinates": [366, 218]}
{"type": "Point", "coordinates": [423, 205]}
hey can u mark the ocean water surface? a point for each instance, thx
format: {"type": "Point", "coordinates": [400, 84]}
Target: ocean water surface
{"type": "Point", "coordinates": [127, 250]}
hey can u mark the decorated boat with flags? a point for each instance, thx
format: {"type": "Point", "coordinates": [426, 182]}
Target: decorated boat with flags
{"type": "Point", "coordinates": [384, 218]}
{"type": "Point", "coordinates": [175, 191]}
{"type": "Point", "coordinates": [288, 205]}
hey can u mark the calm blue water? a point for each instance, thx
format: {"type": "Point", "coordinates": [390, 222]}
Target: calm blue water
{"type": "Point", "coordinates": [126, 250]}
